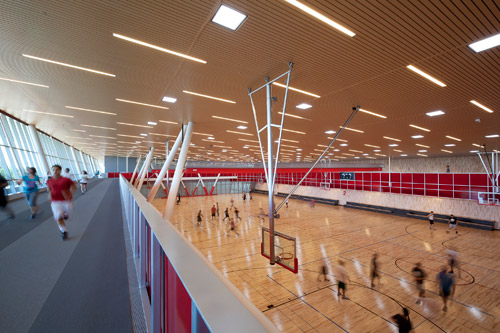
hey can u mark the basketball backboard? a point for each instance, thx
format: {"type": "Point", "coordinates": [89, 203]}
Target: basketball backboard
{"type": "Point", "coordinates": [488, 198]}
{"type": "Point", "coordinates": [284, 249]}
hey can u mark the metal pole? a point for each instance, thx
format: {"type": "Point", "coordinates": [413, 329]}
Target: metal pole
{"type": "Point", "coordinates": [166, 165]}
{"type": "Point", "coordinates": [146, 168]}
{"type": "Point", "coordinates": [135, 170]}
{"type": "Point", "coordinates": [39, 148]}
{"type": "Point", "coordinates": [355, 110]}
{"type": "Point", "coordinates": [176, 180]}
{"type": "Point", "coordinates": [141, 170]}
{"type": "Point", "coordinates": [270, 174]}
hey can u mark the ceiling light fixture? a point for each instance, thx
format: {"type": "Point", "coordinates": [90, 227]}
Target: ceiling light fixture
{"type": "Point", "coordinates": [476, 145]}
{"type": "Point", "coordinates": [427, 76]}
{"type": "Point", "coordinates": [289, 130]}
{"type": "Point", "coordinates": [404, 155]}
{"type": "Point", "coordinates": [422, 151]}
{"type": "Point", "coordinates": [205, 134]}
{"type": "Point", "coordinates": [453, 138]}
{"type": "Point", "coordinates": [139, 103]}
{"type": "Point", "coordinates": [294, 116]}
{"type": "Point", "coordinates": [230, 119]}
{"type": "Point", "coordinates": [68, 65]}
{"type": "Point", "coordinates": [373, 113]}
{"type": "Point", "coordinates": [152, 123]}
{"type": "Point", "coordinates": [492, 136]}
{"type": "Point", "coordinates": [371, 146]}
{"type": "Point", "coordinates": [356, 151]}
{"type": "Point", "coordinates": [450, 145]}
{"type": "Point", "coordinates": [399, 151]}
{"type": "Point", "coordinates": [102, 137]}
{"type": "Point", "coordinates": [380, 155]}
{"type": "Point", "coordinates": [295, 89]}
{"type": "Point", "coordinates": [435, 113]}
{"type": "Point", "coordinates": [377, 150]}
{"type": "Point", "coordinates": [135, 125]}
{"type": "Point", "coordinates": [23, 82]}
{"type": "Point", "coordinates": [50, 114]}
{"type": "Point", "coordinates": [321, 17]}
{"type": "Point", "coordinates": [172, 136]}
{"type": "Point", "coordinates": [158, 48]}
{"type": "Point", "coordinates": [389, 138]}
{"type": "Point", "coordinates": [167, 122]}
{"type": "Point", "coordinates": [330, 132]}
{"type": "Point", "coordinates": [249, 140]}
{"type": "Point", "coordinates": [343, 144]}
{"type": "Point", "coordinates": [169, 99]}
{"type": "Point", "coordinates": [228, 17]}
{"type": "Point", "coordinates": [79, 130]}
{"type": "Point", "coordinates": [423, 155]}
{"type": "Point", "coordinates": [90, 110]}
{"type": "Point", "coordinates": [420, 128]}
{"type": "Point", "coordinates": [447, 151]}
{"type": "Point", "coordinates": [417, 136]}
{"type": "Point", "coordinates": [352, 129]}
{"type": "Point", "coordinates": [482, 106]}
{"type": "Point", "coordinates": [235, 132]}
{"type": "Point", "coordinates": [242, 127]}
{"type": "Point", "coordinates": [210, 97]}
{"type": "Point", "coordinates": [304, 106]}
{"type": "Point", "coordinates": [417, 144]}
{"type": "Point", "coordinates": [393, 145]}
{"type": "Point", "coordinates": [486, 43]}
{"type": "Point", "coordinates": [130, 136]}
{"type": "Point", "coordinates": [143, 134]}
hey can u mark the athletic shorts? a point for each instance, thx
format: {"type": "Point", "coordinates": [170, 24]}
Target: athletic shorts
{"type": "Point", "coordinates": [374, 274]}
{"type": "Point", "coordinates": [444, 293]}
{"type": "Point", "coordinates": [213, 214]}
{"type": "Point", "coordinates": [453, 225]}
{"type": "Point", "coordinates": [31, 198]}
{"type": "Point", "coordinates": [341, 285]}
{"type": "Point", "coordinates": [431, 221]}
{"type": "Point", "coordinates": [62, 209]}
{"type": "Point", "coordinates": [420, 287]}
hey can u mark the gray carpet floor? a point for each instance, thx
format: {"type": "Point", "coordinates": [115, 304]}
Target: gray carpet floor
{"type": "Point", "coordinates": [80, 285]}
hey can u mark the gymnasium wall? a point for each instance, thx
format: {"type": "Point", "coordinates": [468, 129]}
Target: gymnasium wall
{"type": "Point", "coordinates": [458, 207]}
{"type": "Point", "coordinates": [460, 164]}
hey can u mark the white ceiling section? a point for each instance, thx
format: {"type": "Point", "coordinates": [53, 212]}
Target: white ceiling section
{"type": "Point", "coordinates": [369, 69]}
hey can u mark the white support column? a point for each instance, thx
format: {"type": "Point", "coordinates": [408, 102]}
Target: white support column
{"type": "Point", "coordinates": [146, 168]}
{"type": "Point", "coordinates": [174, 188]}
{"type": "Point", "coordinates": [164, 169]}
{"type": "Point", "coordinates": [73, 153]}
{"type": "Point", "coordinates": [139, 174]}
{"type": "Point", "coordinates": [84, 161]}
{"type": "Point", "coordinates": [126, 164]}
{"type": "Point", "coordinates": [39, 149]}
{"type": "Point", "coordinates": [135, 170]}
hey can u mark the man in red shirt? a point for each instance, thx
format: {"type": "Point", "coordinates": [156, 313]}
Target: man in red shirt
{"type": "Point", "coordinates": [61, 191]}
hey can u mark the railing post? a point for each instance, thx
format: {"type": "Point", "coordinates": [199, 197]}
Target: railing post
{"type": "Point", "coordinates": [142, 258]}
{"type": "Point", "coordinates": [156, 275]}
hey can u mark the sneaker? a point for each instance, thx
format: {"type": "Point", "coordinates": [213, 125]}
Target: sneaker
{"type": "Point", "coordinates": [65, 216]}
{"type": "Point", "coordinates": [456, 232]}
{"type": "Point", "coordinates": [64, 235]}
{"type": "Point", "coordinates": [33, 216]}
{"type": "Point", "coordinates": [445, 308]}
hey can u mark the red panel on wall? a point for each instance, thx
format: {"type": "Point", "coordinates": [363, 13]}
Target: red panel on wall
{"type": "Point", "coordinates": [177, 312]}
{"type": "Point", "coordinates": [445, 178]}
{"type": "Point", "coordinates": [418, 178]}
{"type": "Point", "coordinates": [431, 178]}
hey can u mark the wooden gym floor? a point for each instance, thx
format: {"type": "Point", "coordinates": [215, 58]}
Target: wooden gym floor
{"type": "Point", "coordinates": [302, 304]}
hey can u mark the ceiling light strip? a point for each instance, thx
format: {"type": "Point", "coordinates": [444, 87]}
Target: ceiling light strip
{"type": "Point", "coordinates": [427, 76]}
{"type": "Point", "coordinates": [90, 110]}
{"type": "Point", "coordinates": [135, 125]}
{"type": "Point", "coordinates": [453, 138]}
{"type": "Point", "coordinates": [295, 89]}
{"type": "Point", "coordinates": [210, 97]}
{"type": "Point", "coordinates": [100, 127]}
{"type": "Point", "coordinates": [49, 113]}
{"type": "Point", "coordinates": [373, 113]}
{"type": "Point", "coordinates": [68, 65]}
{"type": "Point", "coordinates": [481, 106]}
{"type": "Point", "coordinates": [351, 129]}
{"type": "Point", "coordinates": [24, 82]}
{"type": "Point", "coordinates": [294, 116]}
{"type": "Point", "coordinates": [235, 132]}
{"type": "Point", "coordinates": [230, 119]}
{"type": "Point", "coordinates": [420, 128]}
{"type": "Point", "coordinates": [139, 103]}
{"type": "Point", "coordinates": [389, 138]}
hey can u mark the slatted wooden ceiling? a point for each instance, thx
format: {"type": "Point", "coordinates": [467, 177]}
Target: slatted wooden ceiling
{"type": "Point", "coordinates": [368, 69]}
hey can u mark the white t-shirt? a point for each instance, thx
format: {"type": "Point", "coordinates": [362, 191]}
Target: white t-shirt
{"type": "Point", "coordinates": [340, 274]}
{"type": "Point", "coordinates": [84, 179]}
{"type": "Point", "coordinates": [67, 175]}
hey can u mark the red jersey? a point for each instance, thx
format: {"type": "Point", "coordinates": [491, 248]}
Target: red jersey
{"type": "Point", "coordinates": [214, 210]}
{"type": "Point", "coordinates": [60, 189]}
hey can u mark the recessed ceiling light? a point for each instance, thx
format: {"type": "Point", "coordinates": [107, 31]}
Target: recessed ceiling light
{"type": "Point", "coordinates": [152, 123]}
{"type": "Point", "coordinates": [23, 82]}
{"type": "Point", "coordinates": [492, 136]}
{"type": "Point", "coordinates": [343, 145]}
{"type": "Point", "coordinates": [356, 151]}
{"type": "Point", "coordinates": [101, 127]}
{"type": "Point", "coordinates": [422, 151]}
{"type": "Point", "coordinates": [78, 130]}
{"type": "Point", "coordinates": [365, 154]}
{"type": "Point", "coordinates": [249, 140]}
{"type": "Point", "coordinates": [228, 17]}
{"type": "Point", "coordinates": [380, 155]}
{"type": "Point", "coordinates": [210, 97]}
{"type": "Point", "coordinates": [102, 137]}
{"type": "Point", "coordinates": [135, 125]}
{"type": "Point", "coordinates": [298, 149]}
{"type": "Point", "coordinates": [294, 116]}
{"type": "Point", "coordinates": [129, 136]}
{"type": "Point", "coordinates": [417, 144]}
{"type": "Point", "coordinates": [336, 150]}
{"type": "Point", "coordinates": [289, 130]}
{"type": "Point", "coordinates": [295, 89]}
{"type": "Point", "coordinates": [423, 155]}
{"type": "Point", "coordinates": [304, 106]}
{"type": "Point", "coordinates": [50, 114]}
{"type": "Point", "coordinates": [427, 76]}
{"type": "Point", "coordinates": [474, 151]}
{"type": "Point", "coordinates": [168, 122]}
{"type": "Point", "coordinates": [242, 127]}
{"type": "Point", "coordinates": [435, 113]}
{"type": "Point", "coordinates": [144, 134]}
{"type": "Point", "coordinates": [453, 138]}
{"type": "Point", "coordinates": [417, 136]}
{"type": "Point", "coordinates": [482, 106]}
{"type": "Point", "coordinates": [377, 150]}
{"type": "Point", "coordinates": [389, 138]}
{"type": "Point", "coordinates": [404, 155]}
{"type": "Point", "coordinates": [158, 48]}
{"type": "Point", "coordinates": [393, 145]}
{"type": "Point", "coordinates": [450, 145]}
{"type": "Point", "coordinates": [486, 43]}
{"type": "Point", "coordinates": [371, 146]}
{"type": "Point", "coordinates": [447, 151]}
{"type": "Point", "coordinates": [210, 138]}
{"type": "Point", "coordinates": [321, 17]}
{"type": "Point", "coordinates": [356, 157]}
{"type": "Point", "coordinates": [90, 110]}
{"type": "Point", "coordinates": [68, 65]}
{"type": "Point", "coordinates": [352, 129]}
{"type": "Point", "coordinates": [139, 103]}
{"type": "Point", "coordinates": [399, 151]}
{"type": "Point", "coordinates": [372, 113]}
{"type": "Point", "coordinates": [476, 145]}
{"type": "Point", "coordinates": [330, 132]}
{"type": "Point", "coordinates": [235, 132]}
{"type": "Point", "coordinates": [169, 99]}
{"type": "Point", "coordinates": [347, 154]}
{"type": "Point", "coordinates": [420, 128]}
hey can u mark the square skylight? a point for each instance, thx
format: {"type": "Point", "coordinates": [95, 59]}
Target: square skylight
{"type": "Point", "coordinates": [486, 43]}
{"type": "Point", "coordinates": [435, 113]}
{"type": "Point", "coordinates": [304, 106]}
{"type": "Point", "coordinates": [169, 99]}
{"type": "Point", "coordinates": [228, 17]}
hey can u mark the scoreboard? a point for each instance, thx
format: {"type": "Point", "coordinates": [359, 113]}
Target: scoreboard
{"type": "Point", "coordinates": [347, 176]}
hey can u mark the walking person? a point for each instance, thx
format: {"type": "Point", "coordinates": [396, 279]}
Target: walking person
{"type": "Point", "coordinates": [374, 270]}
{"type": "Point", "coordinates": [218, 209]}
{"type": "Point", "coordinates": [244, 196]}
{"type": "Point", "coordinates": [250, 195]}
{"type": "Point", "coordinates": [323, 271]}
{"type": "Point", "coordinates": [237, 213]}
{"type": "Point", "coordinates": [199, 218]}
{"type": "Point", "coordinates": [286, 202]}
{"type": "Point", "coordinates": [226, 213]}
{"type": "Point", "coordinates": [452, 224]}
{"type": "Point", "coordinates": [67, 174]}
{"type": "Point", "coordinates": [232, 202]}
{"type": "Point", "coordinates": [30, 183]}
{"type": "Point", "coordinates": [233, 227]}
{"type": "Point", "coordinates": [3, 198]}
{"type": "Point", "coordinates": [446, 285]}
{"type": "Point", "coordinates": [261, 214]}
{"type": "Point", "coordinates": [419, 275]}
{"type": "Point", "coordinates": [214, 211]}
{"type": "Point", "coordinates": [431, 220]}
{"type": "Point", "coordinates": [453, 261]}
{"type": "Point", "coordinates": [61, 191]}
{"type": "Point", "coordinates": [342, 278]}
{"type": "Point", "coordinates": [403, 321]}
{"type": "Point", "coordinates": [178, 198]}
{"type": "Point", "coordinates": [83, 182]}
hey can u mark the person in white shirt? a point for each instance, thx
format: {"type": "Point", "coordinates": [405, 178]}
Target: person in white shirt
{"type": "Point", "coordinates": [431, 220]}
{"type": "Point", "coordinates": [342, 278]}
{"type": "Point", "coordinates": [83, 182]}
{"type": "Point", "coordinates": [67, 174]}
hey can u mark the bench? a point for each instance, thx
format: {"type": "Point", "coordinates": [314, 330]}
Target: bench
{"type": "Point", "coordinates": [333, 202]}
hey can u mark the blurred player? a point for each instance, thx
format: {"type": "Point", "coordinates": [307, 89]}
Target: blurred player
{"type": "Point", "coordinates": [374, 270]}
